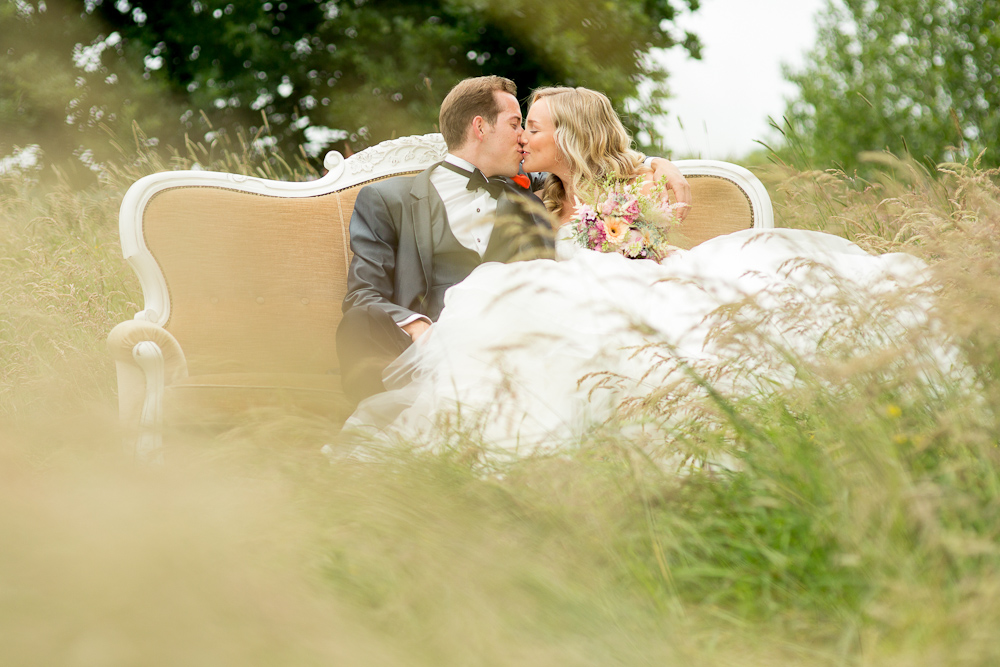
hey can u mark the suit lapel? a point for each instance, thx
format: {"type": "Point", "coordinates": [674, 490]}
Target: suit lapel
{"type": "Point", "coordinates": [426, 205]}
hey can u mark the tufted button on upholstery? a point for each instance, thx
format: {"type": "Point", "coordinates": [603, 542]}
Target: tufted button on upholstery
{"type": "Point", "coordinates": [305, 301]}
{"type": "Point", "coordinates": [260, 299]}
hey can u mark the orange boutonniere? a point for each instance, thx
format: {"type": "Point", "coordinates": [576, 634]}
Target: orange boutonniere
{"type": "Point", "coordinates": [523, 181]}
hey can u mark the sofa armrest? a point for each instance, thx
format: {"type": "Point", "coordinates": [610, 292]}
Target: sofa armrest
{"type": "Point", "coordinates": [132, 390]}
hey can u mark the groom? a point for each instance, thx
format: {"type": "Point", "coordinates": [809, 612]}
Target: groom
{"type": "Point", "coordinates": [413, 237]}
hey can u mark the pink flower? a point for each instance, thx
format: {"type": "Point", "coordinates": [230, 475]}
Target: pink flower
{"type": "Point", "coordinates": [596, 234]}
{"type": "Point", "coordinates": [631, 210]}
{"type": "Point", "coordinates": [582, 211]}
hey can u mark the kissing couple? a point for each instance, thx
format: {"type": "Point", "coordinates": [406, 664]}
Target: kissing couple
{"type": "Point", "coordinates": [538, 355]}
{"type": "Point", "coordinates": [414, 237]}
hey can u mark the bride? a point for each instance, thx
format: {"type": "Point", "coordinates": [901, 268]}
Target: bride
{"type": "Point", "coordinates": [532, 356]}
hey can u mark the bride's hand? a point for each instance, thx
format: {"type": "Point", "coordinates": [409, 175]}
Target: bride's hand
{"type": "Point", "coordinates": [675, 181]}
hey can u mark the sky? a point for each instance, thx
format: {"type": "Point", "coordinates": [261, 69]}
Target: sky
{"type": "Point", "coordinates": [724, 99]}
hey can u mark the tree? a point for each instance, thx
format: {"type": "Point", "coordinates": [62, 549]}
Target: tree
{"type": "Point", "coordinates": [308, 72]}
{"type": "Point", "coordinates": [303, 72]}
{"type": "Point", "coordinates": [57, 91]}
{"type": "Point", "coordinates": [911, 76]}
{"type": "Point", "coordinates": [368, 71]}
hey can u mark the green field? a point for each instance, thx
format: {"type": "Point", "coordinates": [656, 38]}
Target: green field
{"type": "Point", "coordinates": [860, 524]}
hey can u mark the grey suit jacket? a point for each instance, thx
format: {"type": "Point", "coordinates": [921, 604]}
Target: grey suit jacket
{"type": "Point", "coordinates": [392, 237]}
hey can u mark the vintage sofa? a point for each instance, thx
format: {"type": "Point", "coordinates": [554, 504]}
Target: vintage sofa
{"type": "Point", "coordinates": [243, 278]}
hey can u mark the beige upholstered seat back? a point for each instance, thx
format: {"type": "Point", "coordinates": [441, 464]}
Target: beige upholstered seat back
{"type": "Point", "coordinates": [255, 282]}
{"type": "Point", "coordinates": [249, 275]}
{"type": "Point", "coordinates": [721, 206]}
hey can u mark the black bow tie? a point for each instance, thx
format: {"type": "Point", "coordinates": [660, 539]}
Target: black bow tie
{"type": "Point", "coordinates": [495, 185]}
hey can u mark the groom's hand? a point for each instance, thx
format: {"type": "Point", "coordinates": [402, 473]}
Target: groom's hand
{"type": "Point", "coordinates": [675, 181]}
{"type": "Point", "coordinates": [416, 329]}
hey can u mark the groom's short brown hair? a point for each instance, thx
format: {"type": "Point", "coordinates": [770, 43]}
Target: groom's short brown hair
{"type": "Point", "coordinates": [468, 99]}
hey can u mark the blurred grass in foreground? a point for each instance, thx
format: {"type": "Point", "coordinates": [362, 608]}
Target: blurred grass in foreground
{"type": "Point", "coordinates": [861, 526]}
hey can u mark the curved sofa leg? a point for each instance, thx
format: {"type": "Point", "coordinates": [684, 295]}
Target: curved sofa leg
{"type": "Point", "coordinates": [149, 443]}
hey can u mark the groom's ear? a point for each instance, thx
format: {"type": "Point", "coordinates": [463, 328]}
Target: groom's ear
{"type": "Point", "coordinates": [478, 128]}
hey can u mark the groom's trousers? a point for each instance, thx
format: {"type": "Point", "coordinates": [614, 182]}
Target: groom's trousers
{"type": "Point", "coordinates": [368, 340]}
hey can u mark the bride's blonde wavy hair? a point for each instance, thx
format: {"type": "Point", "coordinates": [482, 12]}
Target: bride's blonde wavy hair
{"type": "Point", "coordinates": [590, 137]}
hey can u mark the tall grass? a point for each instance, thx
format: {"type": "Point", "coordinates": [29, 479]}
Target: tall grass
{"type": "Point", "coordinates": [859, 522]}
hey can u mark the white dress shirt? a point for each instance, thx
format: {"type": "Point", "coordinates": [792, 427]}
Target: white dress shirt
{"type": "Point", "coordinates": [470, 212]}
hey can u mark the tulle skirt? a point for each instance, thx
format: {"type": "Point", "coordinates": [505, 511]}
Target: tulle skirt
{"type": "Point", "coordinates": [532, 356]}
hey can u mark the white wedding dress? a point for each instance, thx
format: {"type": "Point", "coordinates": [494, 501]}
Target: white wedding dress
{"type": "Point", "coordinates": [531, 356]}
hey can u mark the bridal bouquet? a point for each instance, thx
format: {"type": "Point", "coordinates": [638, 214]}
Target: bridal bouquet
{"type": "Point", "coordinates": [618, 217]}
